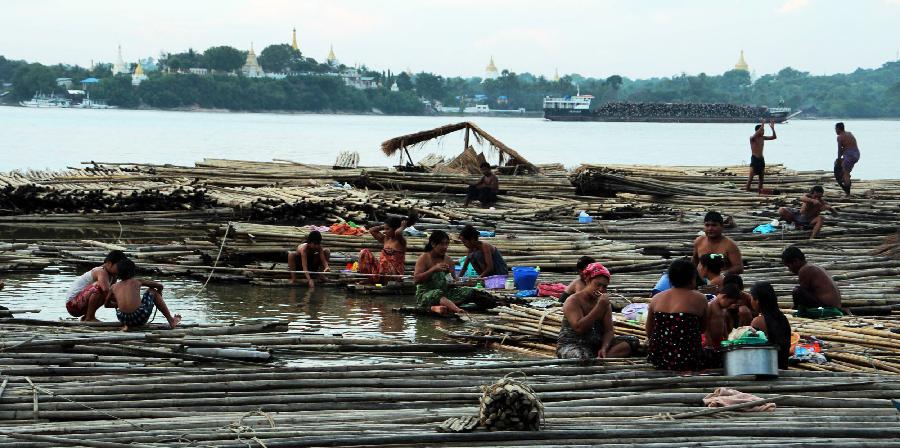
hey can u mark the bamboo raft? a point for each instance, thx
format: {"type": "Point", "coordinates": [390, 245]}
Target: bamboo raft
{"type": "Point", "coordinates": [65, 384]}
{"type": "Point", "coordinates": [68, 384]}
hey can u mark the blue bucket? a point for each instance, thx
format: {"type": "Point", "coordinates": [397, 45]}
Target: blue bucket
{"type": "Point", "coordinates": [525, 277]}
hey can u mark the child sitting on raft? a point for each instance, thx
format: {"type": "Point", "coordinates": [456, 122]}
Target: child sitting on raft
{"type": "Point", "coordinates": [485, 258]}
{"type": "Point", "coordinates": [579, 283]}
{"type": "Point", "coordinates": [587, 330]}
{"type": "Point", "coordinates": [723, 311]}
{"type": "Point", "coordinates": [676, 321]}
{"type": "Point", "coordinates": [133, 309]}
{"type": "Point", "coordinates": [391, 265]}
{"type": "Point", "coordinates": [434, 275]}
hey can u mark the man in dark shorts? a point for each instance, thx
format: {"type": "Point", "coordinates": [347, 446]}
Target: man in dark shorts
{"type": "Point", "coordinates": [757, 161]}
{"type": "Point", "coordinates": [848, 155]}
{"type": "Point", "coordinates": [485, 191]}
{"type": "Point", "coordinates": [809, 215]}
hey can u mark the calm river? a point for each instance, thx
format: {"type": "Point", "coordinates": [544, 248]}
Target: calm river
{"type": "Point", "coordinates": [57, 138]}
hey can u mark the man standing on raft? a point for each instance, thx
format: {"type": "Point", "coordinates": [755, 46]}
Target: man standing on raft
{"type": "Point", "coordinates": [847, 156]}
{"type": "Point", "coordinates": [757, 161]}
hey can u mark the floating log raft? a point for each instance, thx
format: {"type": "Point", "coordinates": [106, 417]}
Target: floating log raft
{"type": "Point", "coordinates": [851, 344]}
{"type": "Point", "coordinates": [78, 385]}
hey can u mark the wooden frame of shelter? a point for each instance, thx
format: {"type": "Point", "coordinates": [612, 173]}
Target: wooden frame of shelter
{"type": "Point", "coordinates": [507, 155]}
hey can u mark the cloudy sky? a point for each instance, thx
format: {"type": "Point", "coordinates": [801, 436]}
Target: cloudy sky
{"type": "Point", "coordinates": [635, 38]}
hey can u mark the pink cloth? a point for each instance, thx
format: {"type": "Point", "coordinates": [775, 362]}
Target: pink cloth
{"type": "Point", "coordinates": [551, 289]}
{"type": "Point", "coordinates": [724, 396]}
{"type": "Point", "coordinates": [595, 270]}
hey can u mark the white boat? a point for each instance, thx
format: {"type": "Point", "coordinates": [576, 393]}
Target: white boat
{"type": "Point", "coordinates": [88, 103]}
{"type": "Point", "coordinates": [51, 101]}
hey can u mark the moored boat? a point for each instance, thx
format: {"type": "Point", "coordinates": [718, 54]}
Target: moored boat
{"type": "Point", "coordinates": [578, 108]}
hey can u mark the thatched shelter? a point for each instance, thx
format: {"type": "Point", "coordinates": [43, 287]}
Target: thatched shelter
{"type": "Point", "coordinates": [507, 155]}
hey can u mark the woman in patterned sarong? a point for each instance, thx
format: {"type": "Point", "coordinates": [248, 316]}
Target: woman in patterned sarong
{"type": "Point", "coordinates": [391, 265]}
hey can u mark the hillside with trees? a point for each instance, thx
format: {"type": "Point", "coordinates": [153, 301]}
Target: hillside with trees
{"type": "Point", "coordinates": [304, 84]}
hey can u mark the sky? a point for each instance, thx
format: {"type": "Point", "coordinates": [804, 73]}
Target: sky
{"type": "Point", "coordinates": [599, 38]}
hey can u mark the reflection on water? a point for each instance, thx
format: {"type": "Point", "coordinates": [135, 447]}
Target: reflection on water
{"type": "Point", "coordinates": [322, 311]}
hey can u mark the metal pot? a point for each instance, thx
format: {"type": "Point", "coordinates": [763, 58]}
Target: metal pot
{"type": "Point", "coordinates": [760, 360]}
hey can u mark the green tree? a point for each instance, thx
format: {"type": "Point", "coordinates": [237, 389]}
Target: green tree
{"type": "Point", "coordinates": [183, 61]}
{"type": "Point", "coordinates": [429, 86]}
{"type": "Point", "coordinates": [404, 82]}
{"type": "Point", "coordinates": [117, 91]}
{"type": "Point", "coordinates": [8, 68]}
{"type": "Point", "coordinates": [224, 58]}
{"type": "Point", "coordinates": [277, 58]}
{"type": "Point", "coordinates": [32, 78]}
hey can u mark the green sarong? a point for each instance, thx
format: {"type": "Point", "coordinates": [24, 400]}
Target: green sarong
{"type": "Point", "coordinates": [429, 294]}
{"type": "Point", "coordinates": [827, 312]}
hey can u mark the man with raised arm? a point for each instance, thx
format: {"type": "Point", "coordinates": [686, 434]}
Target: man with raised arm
{"type": "Point", "coordinates": [757, 161]}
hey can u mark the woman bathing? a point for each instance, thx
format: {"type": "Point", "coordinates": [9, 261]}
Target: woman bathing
{"type": "Point", "coordinates": [587, 329]}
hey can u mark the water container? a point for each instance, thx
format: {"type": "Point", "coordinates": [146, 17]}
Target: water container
{"type": "Point", "coordinates": [585, 219]}
{"type": "Point", "coordinates": [525, 277]}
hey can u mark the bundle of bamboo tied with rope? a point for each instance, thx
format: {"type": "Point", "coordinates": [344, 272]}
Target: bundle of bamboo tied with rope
{"type": "Point", "coordinates": [510, 404]}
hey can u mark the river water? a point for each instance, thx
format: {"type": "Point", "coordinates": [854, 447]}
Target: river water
{"type": "Point", "coordinates": [57, 138]}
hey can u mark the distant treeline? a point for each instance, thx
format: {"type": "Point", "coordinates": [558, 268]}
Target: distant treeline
{"type": "Point", "coordinates": [308, 87]}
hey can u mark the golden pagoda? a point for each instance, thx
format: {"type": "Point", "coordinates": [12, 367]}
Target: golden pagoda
{"type": "Point", "coordinates": [490, 72]}
{"type": "Point", "coordinates": [331, 59]}
{"type": "Point", "coordinates": [742, 64]}
{"type": "Point", "coordinates": [251, 68]}
{"type": "Point", "coordinates": [294, 41]}
{"type": "Point", "coordinates": [138, 76]}
{"type": "Point", "coordinates": [556, 75]}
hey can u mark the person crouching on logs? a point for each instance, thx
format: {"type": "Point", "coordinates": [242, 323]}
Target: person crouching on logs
{"type": "Point", "coordinates": [391, 265]}
{"type": "Point", "coordinates": [133, 309]}
{"type": "Point", "coordinates": [579, 283]}
{"type": "Point", "coordinates": [485, 258]}
{"type": "Point", "coordinates": [313, 258]}
{"type": "Point", "coordinates": [587, 330]}
{"type": "Point", "coordinates": [434, 276]}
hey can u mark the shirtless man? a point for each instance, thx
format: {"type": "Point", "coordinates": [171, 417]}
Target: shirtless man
{"type": "Point", "coordinates": [809, 214]}
{"type": "Point", "coordinates": [816, 287]}
{"type": "Point", "coordinates": [847, 156]}
{"type": "Point", "coordinates": [716, 243]}
{"type": "Point", "coordinates": [485, 191]}
{"type": "Point", "coordinates": [757, 161]}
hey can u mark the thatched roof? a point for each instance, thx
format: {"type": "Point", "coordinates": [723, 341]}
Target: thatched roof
{"type": "Point", "coordinates": [404, 142]}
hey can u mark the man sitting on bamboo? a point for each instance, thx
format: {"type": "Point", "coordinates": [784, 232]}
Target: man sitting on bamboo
{"type": "Point", "coordinates": [816, 288]}
{"type": "Point", "coordinates": [714, 242]}
{"type": "Point", "coordinates": [587, 330]}
{"type": "Point", "coordinates": [485, 191]}
{"type": "Point", "coordinates": [809, 214]}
